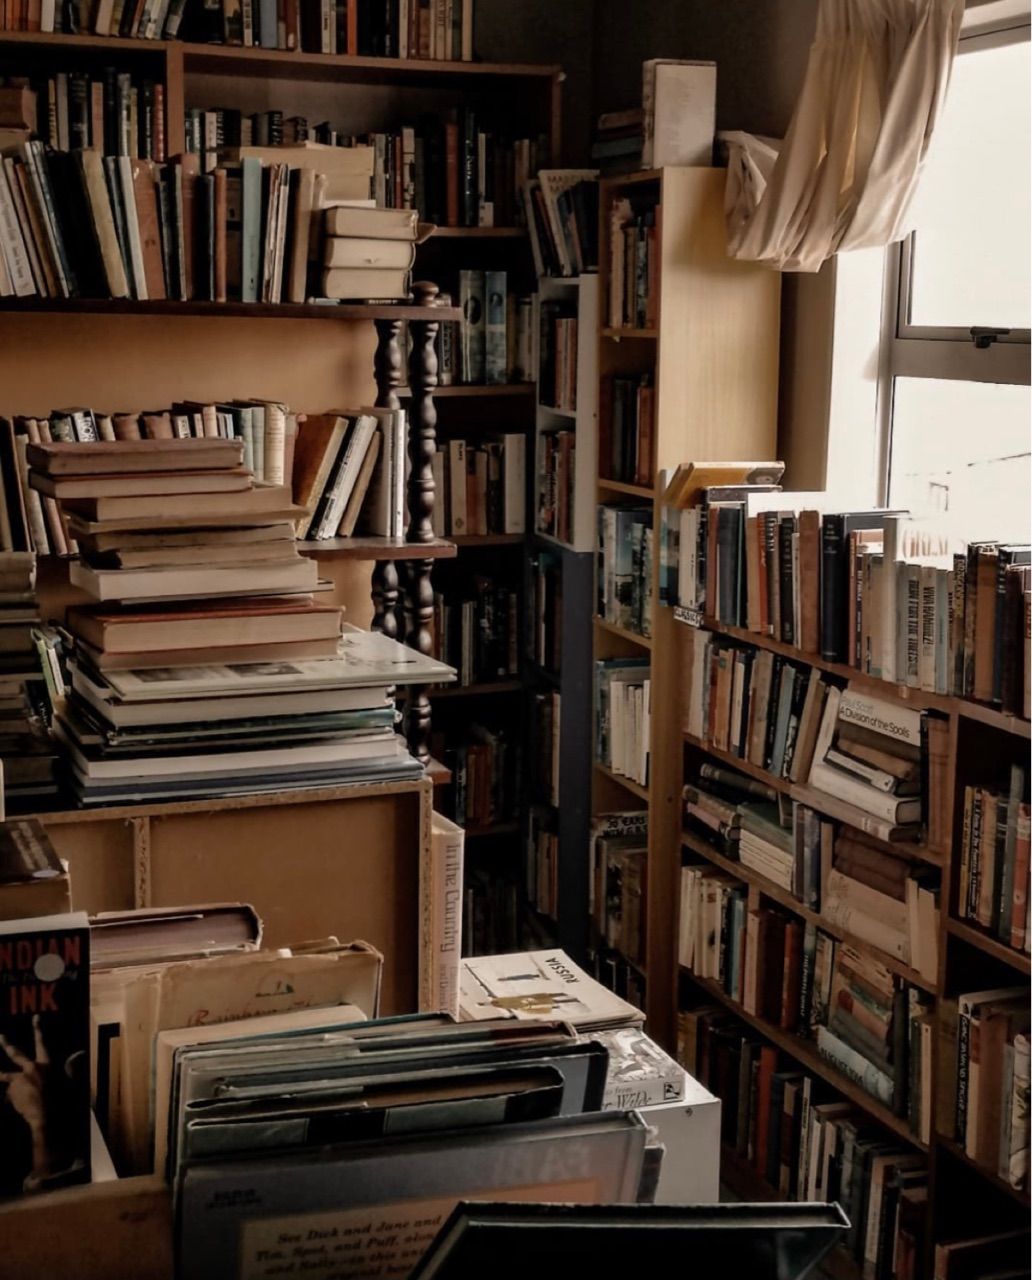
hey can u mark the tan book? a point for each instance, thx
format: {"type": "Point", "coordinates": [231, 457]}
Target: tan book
{"type": "Point", "coordinates": [195, 537]}
{"type": "Point", "coordinates": [155, 523]}
{"type": "Point", "coordinates": [198, 553]}
{"type": "Point", "coordinates": [220, 234]}
{"type": "Point", "coordinates": [354, 504]}
{"type": "Point", "coordinates": [301, 574]}
{"type": "Point", "coordinates": [297, 275]}
{"type": "Point", "coordinates": [205, 623]}
{"type": "Point", "coordinates": [146, 200]}
{"type": "Point", "coordinates": [319, 440]}
{"type": "Point", "coordinates": [289, 651]}
{"type": "Point", "coordinates": [361, 284]}
{"type": "Point", "coordinates": [250, 501]}
{"type": "Point", "coordinates": [398, 255]}
{"type": "Point", "coordinates": [190, 166]}
{"type": "Point", "coordinates": [157, 426]}
{"type": "Point", "coordinates": [92, 165]}
{"type": "Point", "coordinates": [141, 483]}
{"type": "Point", "coordinates": [120, 457]}
{"type": "Point", "coordinates": [336, 162]}
{"type": "Point", "coordinates": [380, 224]}
{"type": "Point", "coordinates": [126, 426]}
{"type": "Point", "coordinates": [985, 623]}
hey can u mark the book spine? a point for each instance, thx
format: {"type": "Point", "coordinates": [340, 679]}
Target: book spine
{"type": "Point", "coordinates": [854, 1066]}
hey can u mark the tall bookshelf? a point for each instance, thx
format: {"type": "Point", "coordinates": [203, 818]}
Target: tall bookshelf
{"type": "Point", "coordinates": [983, 743]}
{"type": "Point", "coordinates": [561, 553]}
{"type": "Point", "coordinates": [712, 354]}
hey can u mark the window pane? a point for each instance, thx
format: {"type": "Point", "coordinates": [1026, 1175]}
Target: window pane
{"type": "Point", "coordinates": [971, 211]}
{"type": "Point", "coordinates": [962, 448]}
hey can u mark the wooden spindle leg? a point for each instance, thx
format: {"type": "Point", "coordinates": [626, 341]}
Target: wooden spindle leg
{"type": "Point", "coordinates": [388, 363]}
{"type": "Point", "coordinates": [385, 598]}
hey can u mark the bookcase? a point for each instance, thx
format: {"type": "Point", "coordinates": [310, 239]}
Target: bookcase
{"type": "Point", "coordinates": [560, 578]}
{"type": "Point", "coordinates": [709, 351]}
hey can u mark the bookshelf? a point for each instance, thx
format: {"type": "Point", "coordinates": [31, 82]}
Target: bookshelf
{"type": "Point", "coordinates": [712, 357]}
{"type": "Point", "coordinates": [560, 581]}
{"type": "Point", "coordinates": [983, 744]}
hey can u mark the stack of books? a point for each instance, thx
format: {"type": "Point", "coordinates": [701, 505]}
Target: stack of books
{"type": "Point", "coordinates": [619, 138]}
{"type": "Point", "coordinates": [788, 1126]}
{"type": "Point", "coordinates": [481, 488]}
{"type": "Point", "coordinates": [993, 886]}
{"type": "Point", "coordinates": [206, 630]}
{"type": "Point", "coordinates": [992, 1105]}
{"type": "Point", "coordinates": [629, 420]}
{"type": "Point", "coordinates": [369, 253]}
{"type": "Point", "coordinates": [624, 566]}
{"type": "Point", "coordinates": [634, 263]}
{"type": "Point", "coordinates": [26, 752]}
{"type": "Point", "coordinates": [349, 473]}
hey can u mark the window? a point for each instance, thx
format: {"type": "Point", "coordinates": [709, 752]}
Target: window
{"type": "Point", "coordinates": [954, 376]}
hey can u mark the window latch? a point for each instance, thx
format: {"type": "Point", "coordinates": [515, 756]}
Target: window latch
{"type": "Point", "coordinates": [984, 338]}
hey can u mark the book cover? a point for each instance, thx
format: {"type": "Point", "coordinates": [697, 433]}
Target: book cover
{"type": "Point", "coordinates": [44, 1053]}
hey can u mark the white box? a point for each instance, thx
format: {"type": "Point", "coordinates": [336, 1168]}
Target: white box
{"type": "Point", "coordinates": [690, 1131]}
{"type": "Point", "coordinates": [679, 110]}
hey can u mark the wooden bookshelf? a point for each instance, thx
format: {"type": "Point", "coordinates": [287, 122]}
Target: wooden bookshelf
{"type": "Point", "coordinates": [351, 311]}
{"type": "Point", "coordinates": [460, 390]}
{"type": "Point", "coordinates": [957, 1152]}
{"type": "Point", "coordinates": [713, 356]}
{"type": "Point", "coordinates": [375, 548]}
{"type": "Point", "coordinates": [487, 689]}
{"type": "Point", "coordinates": [976, 937]}
{"type": "Point", "coordinates": [621, 780]}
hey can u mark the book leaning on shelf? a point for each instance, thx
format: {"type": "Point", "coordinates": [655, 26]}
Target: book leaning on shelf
{"type": "Point", "coordinates": [481, 486]}
{"type": "Point", "coordinates": [993, 882]}
{"type": "Point", "coordinates": [788, 1127]}
{"type": "Point", "coordinates": [900, 599]}
{"type": "Point", "coordinates": [437, 30]}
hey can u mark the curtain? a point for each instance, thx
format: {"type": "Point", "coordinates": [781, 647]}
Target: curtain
{"type": "Point", "coordinates": [846, 172]}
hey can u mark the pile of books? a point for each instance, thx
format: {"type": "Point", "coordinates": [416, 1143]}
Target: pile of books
{"type": "Point", "coordinates": [83, 224]}
{"type": "Point", "coordinates": [207, 630]}
{"type": "Point", "coordinates": [789, 1128]}
{"type": "Point", "coordinates": [481, 488]}
{"type": "Point", "coordinates": [26, 752]}
{"type": "Point", "coordinates": [992, 1107]}
{"type": "Point", "coordinates": [265, 429]}
{"type": "Point", "coordinates": [618, 141]}
{"type": "Point", "coordinates": [623, 717]}
{"type": "Point", "coordinates": [624, 565]}
{"type": "Point", "coordinates": [434, 30]}
{"type": "Point", "coordinates": [369, 253]}
{"type": "Point", "coordinates": [561, 213]}
{"type": "Point", "coordinates": [993, 886]}
{"type": "Point", "coordinates": [900, 599]}
{"type": "Point", "coordinates": [349, 473]}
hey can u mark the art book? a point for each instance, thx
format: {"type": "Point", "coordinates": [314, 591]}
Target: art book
{"type": "Point", "coordinates": [44, 1053]}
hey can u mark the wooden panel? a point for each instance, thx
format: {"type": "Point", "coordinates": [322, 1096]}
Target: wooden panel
{"type": "Point", "coordinates": [719, 329]}
{"type": "Point", "coordinates": [349, 868]}
{"type": "Point", "coordinates": [118, 363]}
{"type": "Point", "coordinates": [100, 862]}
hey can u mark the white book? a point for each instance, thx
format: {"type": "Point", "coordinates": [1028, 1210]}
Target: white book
{"type": "Point", "coordinates": [515, 465]}
{"type": "Point", "coordinates": [12, 240]}
{"type": "Point", "coordinates": [532, 985]}
{"type": "Point", "coordinates": [447, 843]}
{"type": "Point", "coordinates": [354, 454]}
{"type": "Point", "coordinates": [457, 486]}
{"type": "Point", "coordinates": [132, 228]}
{"type": "Point", "coordinates": [679, 103]}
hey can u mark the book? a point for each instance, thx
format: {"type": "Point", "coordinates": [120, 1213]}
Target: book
{"type": "Point", "coordinates": [120, 457]}
{"type": "Point", "coordinates": [44, 1053]}
{"type": "Point", "coordinates": [539, 984]}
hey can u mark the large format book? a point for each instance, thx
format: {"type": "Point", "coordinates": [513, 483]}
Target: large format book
{"type": "Point", "coordinates": [136, 484]}
{"type": "Point", "coordinates": [174, 582]}
{"type": "Point", "coordinates": [233, 1212]}
{"type": "Point", "coordinates": [44, 1053]}
{"type": "Point", "coordinates": [363, 284]}
{"type": "Point", "coordinates": [204, 623]}
{"type": "Point", "coordinates": [176, 506]}
{"type": "Point", "coordinates": [539, 984]}
{"type": "Point", "coordinates": [679, 105]}
{"type": "Point", "coordinates": [120, 457]}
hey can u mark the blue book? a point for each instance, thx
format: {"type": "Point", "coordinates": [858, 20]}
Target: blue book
{"type": "Point", "coordinates": [251, 228]}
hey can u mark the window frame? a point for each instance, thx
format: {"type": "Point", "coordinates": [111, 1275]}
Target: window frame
{"type": "Point", "coordinates": [940, 351]}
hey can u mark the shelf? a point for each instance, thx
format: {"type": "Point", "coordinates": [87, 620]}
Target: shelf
{"type": "Point", "coordinates": [805, 795]}
{"type": "Point", "coordinates": [350, 311]}
{"type": "Point", "coordinates": [805, 1052]}
{"type": "Point", "coordinates": [635, 788]}
{"type": "Point", "coordinates": [439, 774]}
{"type": "Point", "coordinates": [632, 179]}
{"type": "Point", "coordinates": [570, 414]}
{"type": "Point", "coordinates": [459, 390]}
{"type": "Point", "coordinates": [689, 840]}
{"type": "Point", "coordinates": [493, 829]}
{"type": "Point", "coordinates": [976, 937]}
{"type": "Point", "coordinates": [488, 539]}
{"type": "Point", "coordinates": [619, 486]}
{"type": "Point", "coordinates": [478, 233]}
{"type": "Point", "coordinates": [750, 1185]}
{"type": "Point", "coordinates": [626, 331]}
{"type": "Point", "coordinates": [476, 690]}
{"type": "Point", "coordinates": [623, 633]}
{"type": "Point", "coordinates": [958, 1153]}
{"type": "Point", "coordinates": [376, 549]}
{"type": "Point", "coordinates": [914, 698]}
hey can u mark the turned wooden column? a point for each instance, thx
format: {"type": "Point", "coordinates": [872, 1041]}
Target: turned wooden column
{"type": "Point", "coordinates": [422, 443]}
{"type": "Point", "coordinates": [388, 366]}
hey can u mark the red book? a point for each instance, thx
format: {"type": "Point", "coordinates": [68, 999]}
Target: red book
{"type": "Point", "coordinates": [768, 1065]}
{"type": "Point", "coordinates": [791, 975]}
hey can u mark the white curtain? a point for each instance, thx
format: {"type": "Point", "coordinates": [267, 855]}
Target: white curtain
{"type": "Point", "coordinates": [845, 174]}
